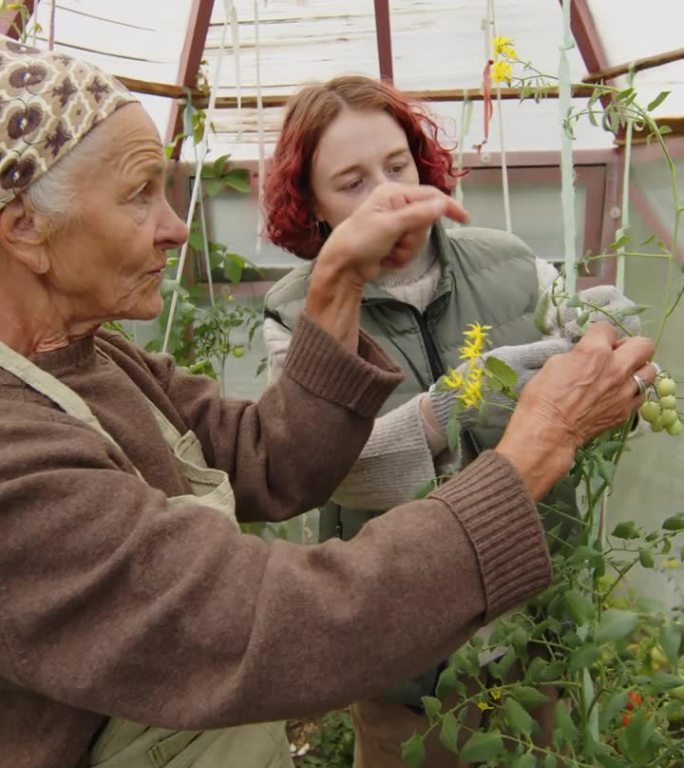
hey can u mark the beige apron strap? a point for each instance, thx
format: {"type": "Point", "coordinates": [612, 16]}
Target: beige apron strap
{"type": "Point", "coordinates": [46, 384]}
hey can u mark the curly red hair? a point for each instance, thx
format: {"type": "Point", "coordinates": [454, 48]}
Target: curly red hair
{"type": "Point", "coordinates": [290, 221]}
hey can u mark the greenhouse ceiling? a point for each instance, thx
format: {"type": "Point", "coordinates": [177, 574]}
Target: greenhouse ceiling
{"type": "Point", "coordinates": [262, 50]}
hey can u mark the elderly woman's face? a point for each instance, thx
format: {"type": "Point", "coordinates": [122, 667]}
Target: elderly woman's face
{"type": "Point", "coordinates": [108, 262]}
{"type": "Point", "coordinates": [358, 151]}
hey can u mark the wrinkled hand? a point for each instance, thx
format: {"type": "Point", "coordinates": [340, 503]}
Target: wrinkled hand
{"type": "Point", "coordinates": [600, 303]}
{"type": "Point", "coordinates": [386, 227]}
{"type": "Point", "coordinates": [525, 359]}
{"type": "Point", "coordinates": [575, 397]}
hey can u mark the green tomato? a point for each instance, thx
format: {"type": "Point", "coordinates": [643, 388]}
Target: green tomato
{"type": "Point", "coordinates": [677, 693]}
{"type": "Point", "coordinates": [238, 351]}
{"type": "Point", "coordinates": [669, 418]}
{"type": "Point", "coordinates": [669, 401]}
{"type": "Point", "coordinates": [666, 386]}
{"type": "Point", "coordinates": [657, 425]}
{"type": "Point", "coordinates": [675, 429]}
{"type": "Point", "coordinates": [675, 713]}
{"type": "Point", "coordinates": [650, 411]}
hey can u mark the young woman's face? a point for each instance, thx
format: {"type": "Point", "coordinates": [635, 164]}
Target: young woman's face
{"type": "Point", "coordinates": [358, 151]}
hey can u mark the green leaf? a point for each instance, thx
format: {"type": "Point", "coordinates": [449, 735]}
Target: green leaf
{"type": "Point", "coordinates": [448, 733]}
{"type": "Point", "coordinates": [616, 625]}
{"type": "Point", "coordinates": [519, 640]}
{"type": "Point", "coordinates": [524, 761]}
{"type": "Point", "coordinates": [214, 186]}
{"type": "Point", "coordinates": [425, 490]}
{"type": "Point", "coordinates": [670, 641]}
{"type": "Point", "coordinates": [606, 469]}
{"type": "Point", "coordinates": [238, 179]}
{"type": "Point", "coordinates": [583, 657]}
{"type": "Point", "coordinates": [620, 242]}
{"type": "Point", "coordinates": [219, 166]}
{"type": "Point", "coordinates": [564, 723]}
{"type": "Point", "coordinates": [233, 269]}
{"type": "Point", "coordinates": [580, 608]}
{"type": "Point", "coordinates": [529, 697]}
{"type": "Point", "coordinates": [675, 523]}
{"type": "Point", "coordinates": [500, 669]}
{"type": "Point", "coordinates": [540, 313]}
{"type": "Point", "coordinates": [432, 707]}
{"type": "Point", "coordinates": [646, 557]}
{"type": "Point", "coordinates": [663, 681]}
{"type": "Point", "coordinates": [659, 99]}
{"type": "Point", "coordinates": [626, 530]}
{"type": "Point", "coordinates": [448, 683]}
{"type": "Point", "coordinates": [612, 708]}
{"type": "Point", "coordinates": [517, 718]}
{"type": "Point", "coordinates": [481, 747]}
{"type": "Point", "coordinates": [413, 751]}
{"type": "Point", "coordinates": [453, 434]}
{"type": "Point", "coordinates": [501, 371]}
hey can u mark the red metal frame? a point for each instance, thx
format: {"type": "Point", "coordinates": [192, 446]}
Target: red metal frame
{"type": "Point", "coordinates": [193, 51]}
{"type": "Point", "coordinates": [11, 23]}
{"type": "Point", "coordinates": [383, 34]}
{"type": "Point", "coordinates": [586, 36]}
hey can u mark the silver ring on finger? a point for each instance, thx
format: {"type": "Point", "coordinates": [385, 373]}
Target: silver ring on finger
{"type": "Point", "coordinates": [641, 384]}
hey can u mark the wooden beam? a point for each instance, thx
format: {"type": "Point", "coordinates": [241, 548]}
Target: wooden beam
{"type": "Point", "coordinates": [450, 94]}
{"type": "Point", "coordinates": [193, 51]}
{"type": "Point", "coordinates": [383, 33]}
{"type": "Point", "coordinates": [12, 20]}
{"type": "Point", "coordinates": [608, 73]}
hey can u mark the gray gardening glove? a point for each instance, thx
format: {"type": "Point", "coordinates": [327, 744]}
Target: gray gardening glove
{"type": "Point", "coordinates": [524, 359]}
{"type": "Point", "coordinates": [602, 302]}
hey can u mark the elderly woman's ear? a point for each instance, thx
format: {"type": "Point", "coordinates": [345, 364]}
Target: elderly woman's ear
{"type": "Point", "coordinates": [24, 235]}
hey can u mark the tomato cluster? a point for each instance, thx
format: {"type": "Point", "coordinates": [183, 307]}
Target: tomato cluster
{"type": "Point", "coordinates": [660, 410]}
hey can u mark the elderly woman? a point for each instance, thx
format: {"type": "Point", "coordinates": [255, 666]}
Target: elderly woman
{"type": "Point", "coordinates": [139, 626]}
{"type": "Point", "coordinates": [339, 140]}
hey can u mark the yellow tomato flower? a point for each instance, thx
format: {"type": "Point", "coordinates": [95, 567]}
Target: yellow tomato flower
{"type": "Point", "coordinates": [495, 693]}
{"type": "Point", "coordinates": [470, 352]}
{"type": "Point", "coordinates": [483, 706]}
{"type": "Point", "coordinates": [476, 334]}
{"type": "Point", "coordinates": [671, 562]}
{"type": "Point", "coordinates": [503, 46]}
{"type": "Point", "coordinates": [471, 396]}
{"type": "Point", "coordinates": [501, 71]}
{"type": "Point", "coordinates": [453, 379]}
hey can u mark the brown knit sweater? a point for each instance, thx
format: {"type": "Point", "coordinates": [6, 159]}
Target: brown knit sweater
{"type": "Point", "coordinates": [114, 603]}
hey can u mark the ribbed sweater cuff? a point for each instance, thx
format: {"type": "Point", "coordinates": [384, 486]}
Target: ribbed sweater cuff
{"type": "Point", "coordinates": [500, 518]}
{"type": "Point", "coordinates": [361, 382]}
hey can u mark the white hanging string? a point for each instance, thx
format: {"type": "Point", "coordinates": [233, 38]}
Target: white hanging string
{"type": "Point", "coordinates": [567, 170]}
{"type": "Point", "coordinates": [235, 44]}
{"type": "Point", "coordinates": [260, 129]}
{"type": "Point", "coordinates": [200, 156]}
{"type": "Point", "coordinates": [205, 249]}
{"type": "Point", "coordinates": [624, 221]}
{"type": "Point", "coordinates": [466, 118]}
{"type": "Point", "coordinates": [490, 34]}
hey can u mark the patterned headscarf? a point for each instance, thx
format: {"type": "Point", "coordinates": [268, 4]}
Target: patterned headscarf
{"type": "Point", "coordinates": [48, 103]}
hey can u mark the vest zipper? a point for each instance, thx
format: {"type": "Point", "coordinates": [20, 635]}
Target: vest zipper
{"type": "Point", "coordinates": [437, 368]}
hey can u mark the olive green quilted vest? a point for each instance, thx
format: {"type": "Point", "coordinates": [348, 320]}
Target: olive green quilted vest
{"type": "Point", "coordinates": [488, 276]}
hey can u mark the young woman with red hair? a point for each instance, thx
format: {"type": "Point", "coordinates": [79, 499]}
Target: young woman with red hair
{"type": "Point", "coordinates": [339, 140]}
